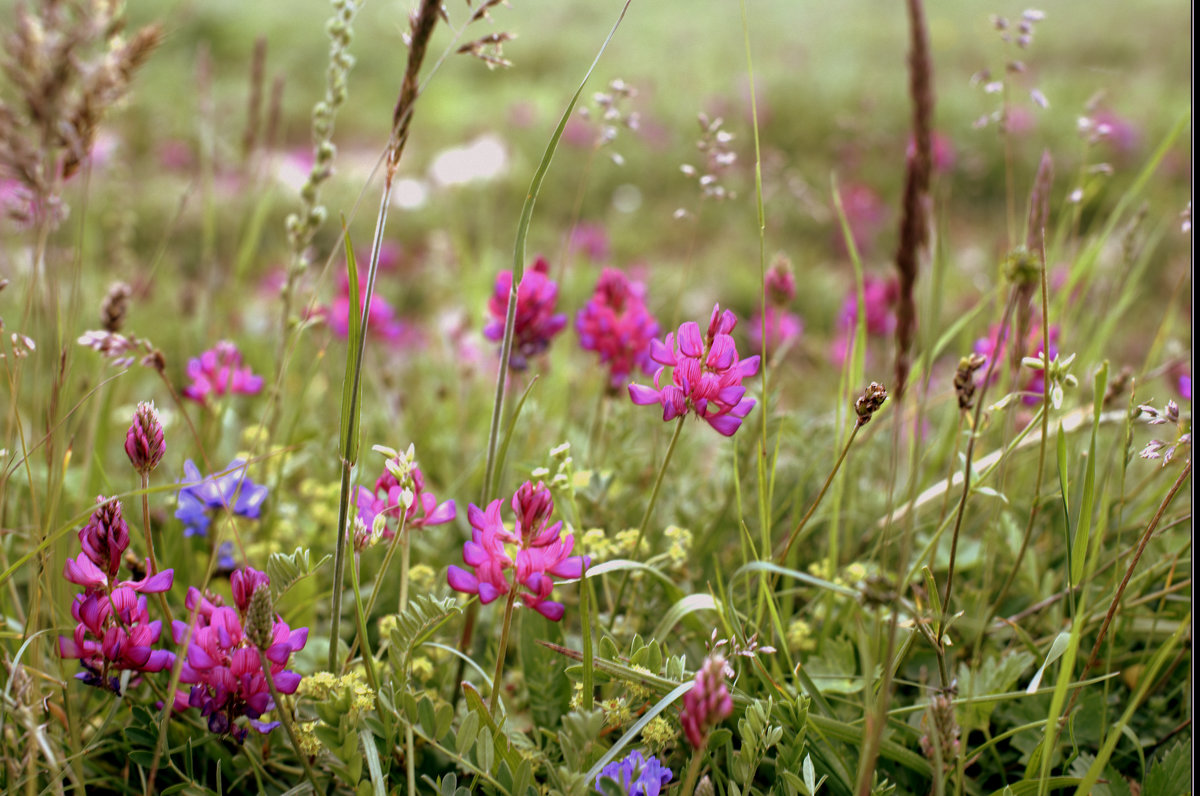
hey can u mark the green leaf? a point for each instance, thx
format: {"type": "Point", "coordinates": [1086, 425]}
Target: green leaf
{"type": "Point", "coordinates": [286, 571]}
{"type": "Point", "coordinates": [995, 676]}
{"type": "Point", "coordinates": [419, 621]}
{"type": "Point", "coordinates": [683, 607]}
{"type": "Point", "coordinates": [1171, 773]}
{"type": "Point", "coordinates": [829, 670]}
{"type": "Point", "coordinates": [466, 736]}
{"type": "Point", "coordinates": [1056, 650]}
{"type": "Point", "coordinates": [373, 766]}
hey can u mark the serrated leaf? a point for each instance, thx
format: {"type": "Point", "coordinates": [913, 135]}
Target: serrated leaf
{"type": "Point", "coordinates": [1171, 773]}
{"type": "Point", "coordinates": [994, 676]}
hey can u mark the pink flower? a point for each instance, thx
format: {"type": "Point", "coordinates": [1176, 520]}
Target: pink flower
{"type": "Point", "coordinates": [144, 442]}
{"type": "Point", "coordinates": [382, 321]}
{"type": "Point", "coordinates": [616, 325]}
{"type": "Point", "coordinates": [781, 284]}
{"type": "Point", "coordinates": [592, 240]}
{"type": "Point", "coordinates": [879, 302]}
{"type": "Point", "coordinates": [113, 631]}
{"type": "Point", "coordinates": [865, 213]}
{"type": "Point", "coordinates": [944, 155]}
{"type": "Point", "coordinates": [541, 551]}
{"type": "Point", "coordinates": [706, 375]}
{"type": "Point", "coordinates": [536, 322]}
{"type": "Point", "coordinates": [783, 329]}
{"type": "Point", "coordinates": [709, 703]}
{"type": "Point", "coordinates": [219, 371]}
{"type": "Point", "coordinates": [223, 665]}
{"type": "Point", "coordinates": [388, 500]}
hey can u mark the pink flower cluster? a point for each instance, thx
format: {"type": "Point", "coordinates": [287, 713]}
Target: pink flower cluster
{"type": "Point", "coordinates": [709, 703]}
{"type": "Point", "coordinates": [223, 665]}
{"type": "Point", "coordinates": [1033, 386]}
{"type": "Point", "coordinates": [113, 631]}
{"type": "Point", "coordinates": [706, 375]}
{"type": "Point", "coordinates": [387, 499]}
{"type": "Point", "coordinates": [541, 550]}
{"type": "Point", "coordinates": [536, 322]}
{"type": "Point", "coordinates": [616, 324]}
{"type": "Point", "coordinates": [219, 371]}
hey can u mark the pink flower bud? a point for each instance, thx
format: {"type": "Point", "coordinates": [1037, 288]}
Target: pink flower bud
{"type": "Point", "coordinates": [144, 443]}
{"type": "Point", "coordinates": [708, 704]}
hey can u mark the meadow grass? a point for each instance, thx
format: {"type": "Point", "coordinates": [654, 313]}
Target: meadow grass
{"type": "Point", "coordinates": [980, 583]}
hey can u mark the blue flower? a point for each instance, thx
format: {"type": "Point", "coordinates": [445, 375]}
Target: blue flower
{"type": "Point", "coordinates": [230, 490]}
{"type": "Point", "coordinates": [637, 775]}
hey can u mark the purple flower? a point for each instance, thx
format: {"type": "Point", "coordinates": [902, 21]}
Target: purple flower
{"type": "Point", "coordinates": [879, 302]}
{"type": "Point", "coordinates": [706, 376]}
{"type": "Point", "coordinates": [219, 371]}
{"type": "Point", "coordinates": [616, 325]}
{"type": "Point", "coordinates": [536, 321]}
{"type": "Point", "coordinates": [144, 442]}
{"type": "Point", "coordinates": [230, 490]}
{"type": "Point", "coordinates": [709, 703]}
{"type": "Point", "coordinates": [113, 631]}
{"type": "Point", "coordinates": [223, 666]}
{"type": "Point", "coordinates": [541, 551]}
{"type": "Point", "coordinates": [639, 776]}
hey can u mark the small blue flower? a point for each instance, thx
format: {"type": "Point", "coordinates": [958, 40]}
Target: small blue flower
{"type": "Point", "coordinates": [230, 490]}
{"type": "Point", "coordinates": [637, 775]}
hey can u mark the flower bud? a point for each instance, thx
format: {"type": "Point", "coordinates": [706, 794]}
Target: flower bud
{"type": "Point", "coordinates": [708, 704]}
{"type": "Point", "coordinates": [144, 443]}
{"type": "Point", "coordinates": [259, 620]}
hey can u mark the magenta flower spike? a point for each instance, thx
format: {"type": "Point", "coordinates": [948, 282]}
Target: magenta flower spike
{"type": "Point", "coordinates": [223, 665]}
{"type": "Point", "coordinates": [540, 552]}
{"type": "Point", "coordinates": [709, 703]}
{"type": "Point", "coordinates": [616, 325]}
{"type": "Point", "coordinates": [536, 321]}
{"type": "Point", "coordinates": [219, 371]}
{"type": "Point", "coordinates": [144, 442]}
{"type": "Point", "coordinates": [706, 375]}
{"type": "Point", "coordinates": [113, 631]}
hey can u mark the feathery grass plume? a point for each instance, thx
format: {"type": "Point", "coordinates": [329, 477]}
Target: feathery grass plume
{"type": "Point", "coordinates": [914, 222]}
{"type": "Point", "coordinates": [68, 64]}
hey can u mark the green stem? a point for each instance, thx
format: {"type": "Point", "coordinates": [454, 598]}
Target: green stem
{"type": "Point", "coordinates": [646, 517]}
{"type": "Point", "coordinates": [162, 598]}
{"type": "Point", "coordinates": [503, 650]}
{"type": "Point", "coordinates": [693, 773]}
{"type": "Point", "coordinates": [404, 564]}
{"type": "Point", "coordinates": [367, 658]}
{"type": "Point", "coordinates": [286, 719]}
{"type": "Point", "coordinates": [781, 557]}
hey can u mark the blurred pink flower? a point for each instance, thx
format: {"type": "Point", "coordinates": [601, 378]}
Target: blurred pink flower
{"type": "Point", "coordinates": [382, 321]}
{"type": "Point", "coordinates": [944, 154]}
{"type": "Point", "coordinates": [866, 215]}
{"type": "Point", "coordinates": [592, 240]}
{"type": "Point", "coordinates": [219, 371]}
{"type": "Point", "coordinates": [879, 301]}
{"type": "Point", "coordinates": [706, 375]}
{"type": "Point", "coordinates": [616, 325]}
{"type": "Point", "coordinates": [783, 329]}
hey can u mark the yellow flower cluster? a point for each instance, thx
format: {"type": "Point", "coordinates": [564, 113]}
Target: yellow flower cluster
{"type": "Point", "coordinates": [326, 685]}
{"type": "Point", "coordinates": [320, 501]}
{"type": "Point", "coordinates": [680, 545]}
{"type": "Point", "coordinates": [658, 734]}
{"type": "Point", "coordinates": [306, 738]}
{"type": "Point", "coordinates": [616, 712]}
{"type": "Point", "coordinates": [800, 636]}
{"type": "Point", "coordinates": [850, 575]}
{"type": "Point", "coordinates": [638, 692]}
